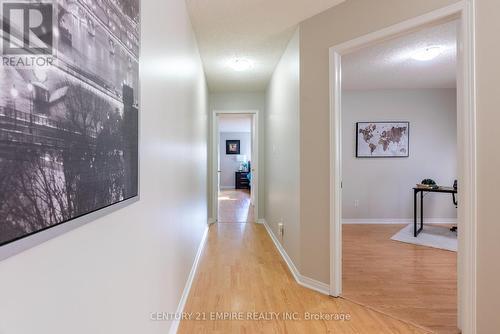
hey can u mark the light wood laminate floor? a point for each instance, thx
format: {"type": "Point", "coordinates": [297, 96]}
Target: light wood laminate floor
{"type": "Point", "coordinates": [241, 271]}
{"type": "Point", "coordinates": [235, 206]}
{"type": "Point", "coordinates": [410, 282]}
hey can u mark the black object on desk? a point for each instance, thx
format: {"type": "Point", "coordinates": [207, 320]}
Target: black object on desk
{"type": "Point", "coordinates": [422, 190]}
{"type": "Point", "coordinates": [241, 180]}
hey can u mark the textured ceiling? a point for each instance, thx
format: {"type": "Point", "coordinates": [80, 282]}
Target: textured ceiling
{"type": "Point", "coordinates": [389, 64]}
{"type": "Point", "coordinates": [258, 30]}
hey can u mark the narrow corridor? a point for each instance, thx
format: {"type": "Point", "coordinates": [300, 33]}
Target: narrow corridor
{"type": "Point", "coordinates": [235, 206]}
{"type": "Point", "coordinates": [242, 272]}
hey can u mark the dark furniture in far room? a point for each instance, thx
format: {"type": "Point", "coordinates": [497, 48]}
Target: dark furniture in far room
{"type": "Point", "coordinates": [241, 180]}
{"type": "Point", "coordinates": [446, 190]}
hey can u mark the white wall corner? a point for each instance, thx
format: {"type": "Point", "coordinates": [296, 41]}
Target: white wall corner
{"type": "Point", "coordinates": [185, 294]}
{"type": "Point", "coordinates": [302, 280]}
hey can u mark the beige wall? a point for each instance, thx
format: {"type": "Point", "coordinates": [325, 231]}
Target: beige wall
{"type": "Point", "coordinates": [109, 275]}
{"type": "Point", "coordinates": [353, 19]}
{"type": "Point", "coordinates": [347, 21]}
{"type": "Point", "coordinates": [488, 164]}
{"type": "Point", "coordinates": [381, 189]}
{"type": "Point", "coordinates": [238, 102]}
{"type": "Point", "coordinates": [282, 151]}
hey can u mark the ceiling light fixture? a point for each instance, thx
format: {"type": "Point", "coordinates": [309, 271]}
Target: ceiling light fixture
{"type": "Point", "coordinates": [427, 53]}
{"type": "Point", "coordinates": [240, 64]}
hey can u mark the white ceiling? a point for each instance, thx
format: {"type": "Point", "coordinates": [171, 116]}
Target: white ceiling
{"type": "Point", "coordinates": [235, 123]}
{"type": "Point", "coordinates": [258, 30]}
{"type": "Point", "coordinates": [389, 64]}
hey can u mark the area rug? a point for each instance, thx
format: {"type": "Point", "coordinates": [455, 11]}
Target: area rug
{"type": "Point", "coordinates": [431, 236]}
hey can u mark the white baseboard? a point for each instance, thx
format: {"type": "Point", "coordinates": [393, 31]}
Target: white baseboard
{"type": "Point", "coordinates": [211, 221]}
{"type": "Point", "coordinates": [398, 221]}
{"type": "Point", "coordinates": [301, 279]}
{"type": "Point", "coordinates": [314, 285]}
{"type": "Point", "coordinates": [293, 269]}
{"type": "Point", "coordinates": [182, 303]}
{"type": "Point", "coordinates": [226, 187]}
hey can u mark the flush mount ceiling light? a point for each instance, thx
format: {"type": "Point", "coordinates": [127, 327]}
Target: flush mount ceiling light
{"type": "Point", "coordinates": [427, 53]}
{"type": "Point", "coordinates": [240, 64]}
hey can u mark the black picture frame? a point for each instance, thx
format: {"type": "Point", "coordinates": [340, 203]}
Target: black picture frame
{"type": "Point", "coordinates": [407, 149]}
{"type": "Point", "coordinates": [233, 147]}
{"type": "Point", "coordinates": [77, 130]}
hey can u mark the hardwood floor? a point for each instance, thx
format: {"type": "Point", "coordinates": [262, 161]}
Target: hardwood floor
{"type": "Point", "coordinates": [410, 282]}
{"type": "Point", "coordinates": [241, 271]}
{"type": "Point", "coordinates": [235, 206]}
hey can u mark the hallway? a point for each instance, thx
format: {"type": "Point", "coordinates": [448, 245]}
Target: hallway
{"type": "Point", "coordinates": [241, 271]}
{"type": "Point", "coordinates": [186, 166]}
{"type": "Point", "coordinates": [235, 206]}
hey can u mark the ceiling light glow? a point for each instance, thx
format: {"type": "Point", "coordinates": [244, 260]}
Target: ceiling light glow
{"type": "Point", "coordinates": [427, 53]}
{"type": "Point", "coordinates": [240, 64]}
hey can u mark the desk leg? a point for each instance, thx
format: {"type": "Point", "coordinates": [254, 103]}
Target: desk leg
{"type": "Point", "coordinates": [415, 233]}
{"type": "Point", "coordinates": [421, 212]}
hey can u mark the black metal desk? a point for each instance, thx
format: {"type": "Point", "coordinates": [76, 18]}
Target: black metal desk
{"type": "Point", "coordinates": [416, 191]}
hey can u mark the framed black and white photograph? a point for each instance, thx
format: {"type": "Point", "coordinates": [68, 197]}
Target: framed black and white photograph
{"type": "Point", "coordinates": [68, 111]}
{"type": "Point", "coordinates": [382, 139]}
{"type": "Point", "coordinates": [233, 147]}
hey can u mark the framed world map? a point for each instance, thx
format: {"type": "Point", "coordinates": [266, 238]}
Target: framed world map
{"type": "Point", "coordinates": [382, 139]}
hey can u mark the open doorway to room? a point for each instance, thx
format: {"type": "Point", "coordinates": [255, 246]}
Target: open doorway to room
{"type": "Point", "coordinates": [235, 151]}
{"type": "Point", "coordinates": [399, 132]}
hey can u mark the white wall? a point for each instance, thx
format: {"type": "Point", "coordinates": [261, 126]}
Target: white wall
{"type": "Point", "coordinates": [109, 275]}
{"type": "Point", "coordinates": [383, 187]}
{"type": "Point", "coordinates": [228, 163]}
{"type": "Point", "coordinates": [488, 165]}
{"type": "Point", "coordinates": [282, 150]}
{"type": "Point", "coordinates": [244, 101]}
{"type": "Point", "coordinates": [237, 101]}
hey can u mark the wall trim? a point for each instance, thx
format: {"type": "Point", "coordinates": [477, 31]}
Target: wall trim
{"type": "Point", "coordinates": [305, 281]}
{"type": "Point", "coordinates": [388, 221]}
{"type": "Point", "coordinates": [227, 187]}
{"type": "Point", "coordinates": [315, 285]}
{"type": "Point", "coordinates": [187, 288]}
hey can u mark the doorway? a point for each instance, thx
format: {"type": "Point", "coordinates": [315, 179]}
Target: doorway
{"type": "Point", "coordinates": [465, 156]}
{"type": "Point", "coordinates": [235, 157]}
{"type": "Point", "coordinates": [399, 127]}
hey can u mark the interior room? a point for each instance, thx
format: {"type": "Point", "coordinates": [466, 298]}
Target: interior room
{"type": "Point", "coordinates": [399, 128]}
{"type": "Point", "coordinates": [235, 137]}
{"type": "Point", "coordinates": [249, 166]}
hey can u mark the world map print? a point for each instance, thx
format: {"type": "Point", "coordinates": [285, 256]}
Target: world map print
{"type": "Point", "coordinates": [382, 139]}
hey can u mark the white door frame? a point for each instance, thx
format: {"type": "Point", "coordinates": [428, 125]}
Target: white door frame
{"type": "Point", "coordinates": [466, 139]}
{"type": "Point", "coordinates": [255, 159]}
